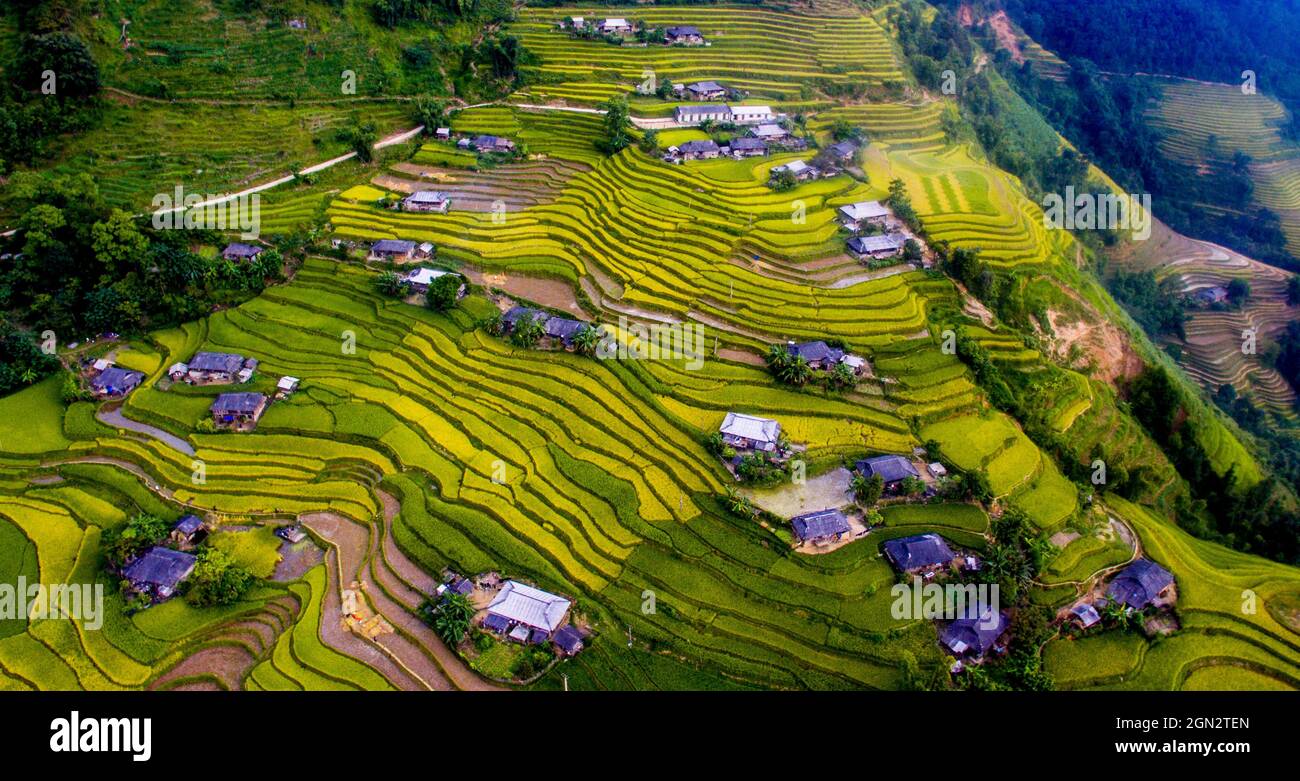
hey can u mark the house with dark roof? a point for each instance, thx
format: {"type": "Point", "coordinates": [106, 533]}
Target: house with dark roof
{"type": "Point", "coordinates": [392, 249]}
{"type": "Point", "coordinates": [114, 383]}
{"type": "Point", "coordinates": [844, 150]}
{"type": "Point", "coordinates": [486, 143]}
{"type": "Point", "coordinates": [684, 34]}
{"type": "Point", "coordinates": [426, 201]}
{"type": "Point", "coordinates": [698, 150]}
{"type": "Point", "coordinates": [748, 147]}
{"type": "Point", "coordinates": [919, 552]}
{"type": "Point", "coordinates": [707, 90]}
{"type": "Point", "coordinates": [694, 115]}
{"type": "Point", "coordinates": [1141, 584]}
{"type": "Point", "coordinates": [820, 527]}
{"type": "Point", "coordinates": [214, 368]}
{"type": "Point", "coordinates": [892, 469]}
{"type": "Point", "coordinates": [238, 410]}
{"type": "Point", "coordinates": [237, 251]}
{"type": "Point", "coordinates": [561, 331]}
{"type": "Point", "coordinates": [568, 639]}
{"type": "Point", "coordinates": [975, 632]}
{"type": "Point", "coordinates": [817, 355]}
{"type": "Point", "coordinates": [158, 572]}
{"type": "Point", "coordinates": [188, 531]}
{"type": "Point", "coordinates": [496, 623]}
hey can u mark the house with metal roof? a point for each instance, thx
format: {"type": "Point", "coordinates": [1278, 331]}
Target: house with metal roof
{"type": "Point", "coordinates": [798, 168]}
{"type": "Point", "coordinates": [418, 280]}
{"type": "Point", "coordinates": [238, 251]}
{"type": "Point", "coordinates": [1140, 584]}
{"type": "Point", "coordinates": [1212, 295]}
{"type": "Point", "coordinates": [392, 249]}
{"type": "Point", "coordinates": [844, 150]}
{"type": "Point", "coordinates": [486, 143]}
{"type": "Point", "coordinates": [918, 552]}
{"type": "Point", "coordinates": [615, 26]}
{"type": "Point", "coordinates": [520, 604]}
{"type": "Point", "coordinates": [747, 431]}
{"type": "Point", "coordinates": [821, 526]}
{"type": "Point", "coordinates": [975, 632]}
{"type": "Point", "coordinates": [854, 215]}
{"type": "Point", "coordinates": [1085, 615]}
{"type": "Point", "coordinates": [159, 572]}
{"type": "Point", "coordinates": [238, 410]}
{"type": "Point", "coordinates": [114, 382]}
{"type": "Point", "coordinates": [752, 115]}
{"type": "Point", "coordinates": [426, 201]}
{"type": "Point", "coordinates": [769, 131]}
{"type": "Point", "coordinates": [885, 245]}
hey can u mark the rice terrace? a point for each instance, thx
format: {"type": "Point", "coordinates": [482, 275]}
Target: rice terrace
{"type": "Point", "coordinates": [622, 347]}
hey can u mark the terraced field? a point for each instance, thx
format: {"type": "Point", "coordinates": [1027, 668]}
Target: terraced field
{"type": "Point", "coordinates": [436, 445]}
{"type": "Point", "coordinates": [768, 53]}
{"type": "Point", "coordinates": [1222, 633]}
{"type": "Point", "coordinates": [1205, 124]}
{"type": "Point", "coordinates": [1212, 352]}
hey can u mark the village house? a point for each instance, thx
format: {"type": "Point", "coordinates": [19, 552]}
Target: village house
{"type": "Point", "coordinates": [442, 134]}
{"type": "Point", "coordinates": [893, 470]}
{"type": "Point", "coordinates": [801, 171]}
{"type": "Point", "coordinates": [748, 147]}
{"type": "Point", "coordinates": [919, 552]}
{"type": "Point", "coordinates": [975, 632]}
{"type": "Point", "coordinates": [821, 527]}
{"type": "Point", "coordinates": [770, 132]}
{"type": "Point", "coordinates": [751, 115]}
{"type": "Point", "coordinates": [188, 532]}
{"type": "Point", "coordinates": [822, 357]}
{"type": "Point", "coordinates": [885, 245]}
{"type": "Point", "coordinates": [238, 410]}
{"type": "Point", "coordinates": [516, 605]}
{"type": "Point", "coordinates": [615, 26]}
{"type": "Point", "coordinates": [112, 382]}
{"type": "Point", "coordinates": [392, 249]}
{"type": "Point", "coordinates": [1212, 295]}
{"type": "Point", "coordinates": [937, 469]}
{"type": "Point", "coordinates": [684, 34]}
{"type": "Point", "coordinates": [214, 368]}
{"type": "Point", "coordinates": [568, 639]}
{"type": "Point", "coordinates": [698, 150]}
{"type": "Point", "coordinates": [1140, 585]}
{"type": "Point", "coordinates": [157, 573]}
{"type": "Point", "coordinates": [749, 432]}
{"type": "Point", "coordinates": [426, 201]}
{"type": "Point", "coordinates": [561, 331]}
{"type": "Point", "coordinates": [707, 90]}
{"type": "Point", "coordinates": [844, 151]}
{"type": "Point", "coordinates": [418, 280]}
{"type": "Point", "coordinates": [291, 534]}
{"type": "Point", "coordinates": [1084, 615]}
{"type": "Point", "coordinates": [241, 252]}
{"type": "Point", "coordinates": [245, 374]}
{"type": "Point", "coordinates": [425, 250]}
{"type": "Point", "coordinates": [855, 215]}
{"type": "Point", "coordinates": [694, 115]}
{"type": "Point", "coordinates": [492, 144]}
{"type": "Point", "coordinates": [287, 386]}
{"type": "Point", "coordinates": [518, 313]}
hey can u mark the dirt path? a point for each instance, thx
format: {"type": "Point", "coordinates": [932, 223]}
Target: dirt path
{"type": "Point", "coordinates": [114, 417]}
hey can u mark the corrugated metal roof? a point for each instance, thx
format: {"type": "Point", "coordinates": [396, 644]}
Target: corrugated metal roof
{"type": "Point", "coordinates": [531, 606]}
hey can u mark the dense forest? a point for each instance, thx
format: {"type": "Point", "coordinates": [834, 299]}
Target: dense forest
{"type": "Point", "coordinates": [1215, 40]}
